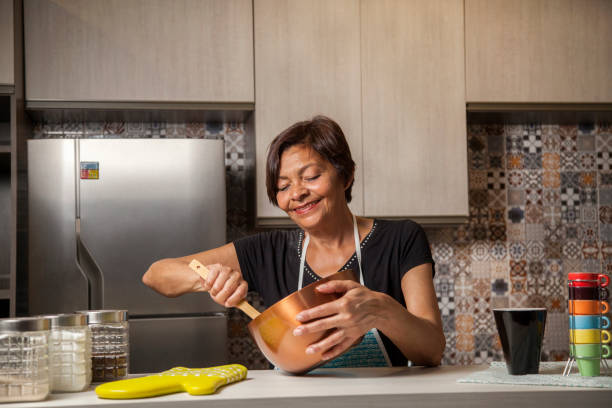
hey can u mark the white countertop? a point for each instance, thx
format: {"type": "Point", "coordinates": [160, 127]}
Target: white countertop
{"type": "Point", "coordinates": [356, 387]}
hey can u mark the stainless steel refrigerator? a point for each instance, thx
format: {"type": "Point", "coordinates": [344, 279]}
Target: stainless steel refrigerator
{"type": "Point", "coordinates": [101, 211]}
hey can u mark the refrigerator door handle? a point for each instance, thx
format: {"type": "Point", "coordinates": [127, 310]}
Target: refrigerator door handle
{"type": "Point", "coordinates": [90, 269]}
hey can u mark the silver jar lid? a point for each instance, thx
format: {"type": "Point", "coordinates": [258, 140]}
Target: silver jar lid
{"type": "Point", "coordinates": [67, 320]}
{"type": "Point", "coordinates": [24, 324]}
{"type": "Point", "coordinates": [105, 316]}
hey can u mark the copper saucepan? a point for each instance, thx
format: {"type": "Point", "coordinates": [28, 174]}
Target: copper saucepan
{"type": "Point", "coordinates": [273, 329]}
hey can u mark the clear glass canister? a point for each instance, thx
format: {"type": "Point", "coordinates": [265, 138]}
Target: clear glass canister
{"type": "Point", "coordinates": [24, 359]}
{"type": "Point", "coordinates": [109, 343]}
{"type": "Point", "coordinates": [69, 352]}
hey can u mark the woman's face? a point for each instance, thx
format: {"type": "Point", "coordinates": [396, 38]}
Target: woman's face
{"type": "Point", "coordinates": [310, 189]}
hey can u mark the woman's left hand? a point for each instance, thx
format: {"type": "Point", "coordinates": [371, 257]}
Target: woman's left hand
{"type": "Point", "coordinates": [352, 315]}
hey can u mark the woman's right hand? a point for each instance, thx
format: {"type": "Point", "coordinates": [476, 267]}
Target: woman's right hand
{"type": "Point", "coordinates": [225, 285]}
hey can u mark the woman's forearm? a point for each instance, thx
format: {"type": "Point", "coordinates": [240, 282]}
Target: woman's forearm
{"type": "Point", "coordinates": [420, 340]}
{"type": "Point", "coordinates": [171, 277]}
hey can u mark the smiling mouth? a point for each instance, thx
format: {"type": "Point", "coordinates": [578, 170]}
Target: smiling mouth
{"type": "Point", "coordinates": [306, 207]}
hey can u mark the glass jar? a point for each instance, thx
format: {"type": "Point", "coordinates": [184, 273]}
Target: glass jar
{"type": "Point", "coordinates": [109, 343]}
{"type": "Point", "coordinates": [69, 352]}
{"type": "Point", "coordinates": [24, 359]}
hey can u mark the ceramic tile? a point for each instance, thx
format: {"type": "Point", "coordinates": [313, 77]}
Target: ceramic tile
{"type": "Point", "coordinates": [570, 161]}
{"type": "Point", "coordinates": [532, 141]}
{"type": "Point", "coordinates": [478, 179]}
{"type": "Point", "coordinates": [551, 197]}
{"type": "Point", "coordinates": [515, 161]}
{"type": "Point", "coordinates": [605, 196]}
{"type": "Point", "coordinates": [551, 139]}
{"type": "Point", "coordinates": [517, 250]}
{"type": "Point", "coordinates": [136, 130]}
{"type": "Point", "coordinates": [497, 199]}
{"type": "Point", "coordinates": [514, 143]}
{"type": "Point", "coordinates": [553, 267]}
{"type": "Point", "coordinates": [497, 233]}
{"type": "Point", "coordinates": [516, 197]}
{"type": "Point", "coordinates": [113, 129]}
{"type": "Point", "coordinates": [500, 302]}
{"type": "Point", "coordinates": [604, 161]}
{"type": "Point", "coordinates": [498, 251]}
{"type": "Point", "coordinates": [568, 138]}
{"type": "Point", "coordinates": [495, 143]}
{"type": "Point", "coordinates": [479, 198]}
{"type": "Point", "coordinates": [589, 231]}
{"type": "Point", "coordinates": [195, 130]}
{"type": "Point", "coordinates": [605, 178]}
{"type": "Point", "coordinates": [532, 161]}
{"type": "Point", "coordinates": [516, 215]}
{"type": "Point", "coordinates": [606, 252]}
{"type": "Point", "coordinates": [553, 249]}
{"type": "Point", "coordinates": [515, 232]}
{"type": "Point", "coordinates": [587, 161]}
{"type": "Point", "coordinates": [605, 214]}
{"type": "Point", "coordinates": [499, 287]}
{"type": "Point", "coordinates": [534, 214]}
{"type": "Point", "coordinates": [534, 232]}
{"type": "Point", "coordinates": [518, 299]}
{"type": "Point", "coordinates": [533, 196]}
{"type": "Point", "coordinates": [585, 142]}
{"type": "Point", "coordinates": [448, 324]}
{"type": "Point", "coordinates": [603, 142]}
{"type": "Point", "coordinates": [573, 265]}
{"type": "Point", "coordinates": [442, 252]}
{"type": "Point", "coordinates": [605, 232]}
{"type": "Point", "coordinates": [603, 128]}
{"type": "Point", "coordinates": [571, 250]}
{"type": "Point", "coordinates": [479, 251]}
{"type": "Point", "coordinates": [535, 250]}
{"type": "Point", "coordinates": [551, 179]}
{"type": "Point", "coordinates": [496, 216]}
{"type": "Point", "coordinates": [555, 331]}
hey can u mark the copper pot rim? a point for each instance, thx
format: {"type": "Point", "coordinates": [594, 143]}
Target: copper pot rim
{"type": "Point", "coordinates": [291, 296]}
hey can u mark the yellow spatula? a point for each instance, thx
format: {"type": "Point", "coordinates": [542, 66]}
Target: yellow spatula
{"type": "Point", "coordinates": [243, 305]}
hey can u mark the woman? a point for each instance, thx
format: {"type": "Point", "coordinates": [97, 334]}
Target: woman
{"type": "Point", "coordinates": [392, 314]}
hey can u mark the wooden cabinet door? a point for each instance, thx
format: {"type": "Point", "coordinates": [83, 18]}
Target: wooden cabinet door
{"type": "Point", "coordinates": [7, 64]}
{"type": "Point", "coordinates": [139, 50]}
{"type": "Point", "coordinates": [557, 51]}
{"type": "Point", "coordinates": [306, 63]}
{"type": "Point", "coordinates": [414, 124]}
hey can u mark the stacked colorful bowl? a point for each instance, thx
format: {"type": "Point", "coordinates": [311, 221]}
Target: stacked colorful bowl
{"type": "Point", "coordinates": [588, 304]}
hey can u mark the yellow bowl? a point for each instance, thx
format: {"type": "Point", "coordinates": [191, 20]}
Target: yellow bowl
{"type": "Point", "coordinates": [589, 336]}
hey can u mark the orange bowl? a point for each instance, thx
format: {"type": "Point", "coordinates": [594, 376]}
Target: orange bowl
{"type": "Point", "coordinates": [272, 330]}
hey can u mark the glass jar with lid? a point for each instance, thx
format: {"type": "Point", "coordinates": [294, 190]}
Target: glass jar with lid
{"type": "Point", "coordinates": [69, 352]}
{"type": "Point", "coordinates": [24, 359]}
{"type": "Point", "coordinates": [109, 343]}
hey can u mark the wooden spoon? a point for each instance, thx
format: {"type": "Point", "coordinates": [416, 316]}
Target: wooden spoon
{"type": "Point", "coordinates": [243, 305]}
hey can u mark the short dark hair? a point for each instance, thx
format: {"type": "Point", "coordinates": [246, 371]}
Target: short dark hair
{"type": "Point", "coordinates": [325, 137]}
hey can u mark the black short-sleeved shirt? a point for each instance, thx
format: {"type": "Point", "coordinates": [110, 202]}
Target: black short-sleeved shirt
{"type": "Point", "coordinates": [270, 263]}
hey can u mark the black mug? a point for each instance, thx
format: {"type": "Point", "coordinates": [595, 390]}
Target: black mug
{"type": "Point", "coordinates": [588, 293]}
{"type": "Point", "coordinates": [521, 332]}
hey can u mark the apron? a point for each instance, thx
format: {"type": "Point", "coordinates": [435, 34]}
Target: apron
{"type": "Point", "coordinates": [371, 351]}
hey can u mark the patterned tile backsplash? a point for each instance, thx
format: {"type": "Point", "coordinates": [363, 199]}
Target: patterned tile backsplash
{"type": "Point", "coordinates": [540, 199]}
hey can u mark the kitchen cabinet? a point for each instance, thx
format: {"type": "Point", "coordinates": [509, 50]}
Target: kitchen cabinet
{"type": "Point", "coordinates": [556, 51]}
{"type": "Point", "coordinates": [307, 62]}
{"type": "Point", "coordinates": [414, 124]}
{"type": "Point", "coordinates": [139, 50]}
{"type": "Point", "coordinates": [7, 57]}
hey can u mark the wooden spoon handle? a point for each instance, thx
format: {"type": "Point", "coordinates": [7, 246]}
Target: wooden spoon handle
{"type": "Point", "coordinates": [201, 270]}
